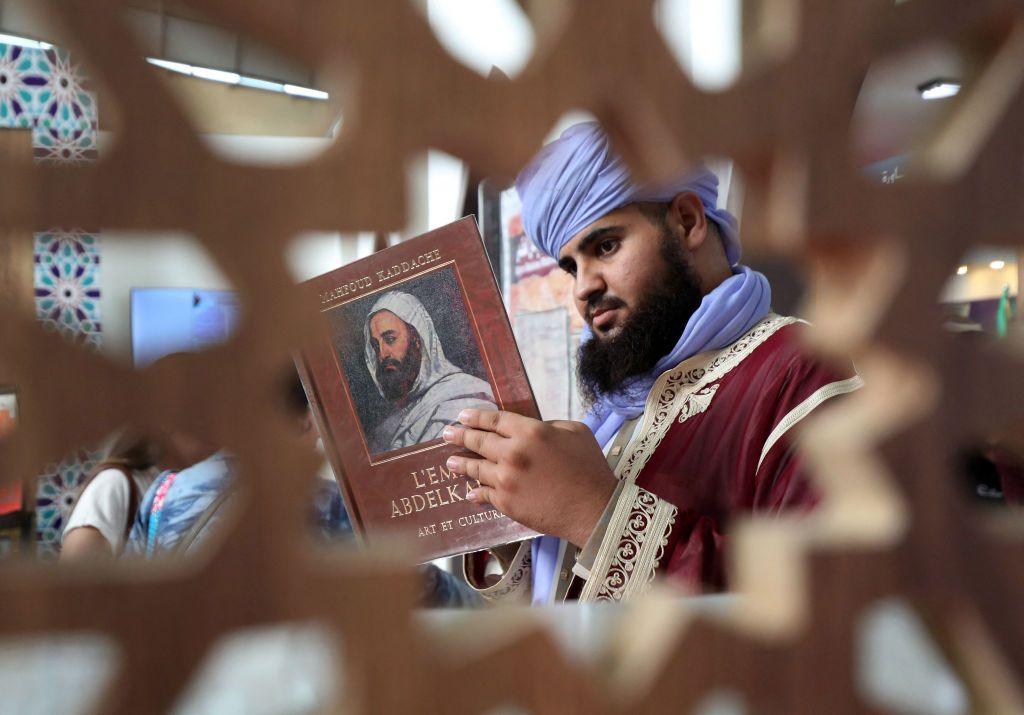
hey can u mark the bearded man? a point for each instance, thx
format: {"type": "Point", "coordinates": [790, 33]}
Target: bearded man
{"type": "Point", "coordinates": [694, 388]}
{"type": "Point", "coordinates": [407, 363]}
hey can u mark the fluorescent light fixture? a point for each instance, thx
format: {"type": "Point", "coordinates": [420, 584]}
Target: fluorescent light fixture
{"type": "Point", "coordinates": [961, 271]}
{"type": "Point", "coordinates": [216, 75]}
{"type": "Point", "coordinates": [297, 91]}
{"type": "Point", "coordinates": [938, 89]}
{"type": "Point", "coordinates": [261, 84]}
{"type": "Point", "coordinates": [226, 77]}
{"type": "Point", "coordinates": [24, 42]}
{"type": "Point", "coordinates": [172, 66]}
{"type": "Point", "coordinates": [207, 73]}
{"type": "Point", "coordinates": [997, 265]}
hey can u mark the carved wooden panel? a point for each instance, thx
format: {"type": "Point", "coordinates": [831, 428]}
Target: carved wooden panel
{"type": "Point", "coordinates": [875, 255]}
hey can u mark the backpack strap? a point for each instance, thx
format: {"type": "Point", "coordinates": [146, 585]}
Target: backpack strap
{"type": "Point", "coordinates": [186, 541]}
{"type": "Point", "coordinates": [156, 508]}
{"type": "Point", "coordinates": [133, 503]}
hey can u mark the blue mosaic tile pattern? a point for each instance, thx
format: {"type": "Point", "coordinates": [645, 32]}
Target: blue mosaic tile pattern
{"type": "Point", "coordinates": [67, 284]}
{"type": "Point", "coordinates": [45, 91]}
{"type": "Point", "coordinates": [57, 490]}
{"type": "Point", "coordinates": [20, 84]}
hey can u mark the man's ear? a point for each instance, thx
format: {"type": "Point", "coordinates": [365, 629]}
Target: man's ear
{"type": "Point", "coordinates": [686, 219]}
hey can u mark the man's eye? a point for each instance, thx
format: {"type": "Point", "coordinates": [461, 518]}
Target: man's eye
{"type": "Point", "coordinates": [606, 247]}
{"type": "Point", "coordinates": [390, 340]}
{"type": "Point", "coordinates": [569, 267]}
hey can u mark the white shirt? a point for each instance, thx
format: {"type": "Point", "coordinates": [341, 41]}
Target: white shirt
{"type": "Point", "coordinates": [104, 505]}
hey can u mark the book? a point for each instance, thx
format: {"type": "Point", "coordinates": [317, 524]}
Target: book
{"type": "Point", "coordinates": [417, 332]}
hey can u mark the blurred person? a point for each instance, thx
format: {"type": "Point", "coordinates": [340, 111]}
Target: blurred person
{"type": "Point", "coordinates": [109, 499]}
{"type": "Point", "coordinates": [180, 505]}
{"type": "Point", "coordinates": [181, 508]}
{"type": "Point", "coordinates": [328, 516]}
{"type": "Point", "coordinates": [694, 388]}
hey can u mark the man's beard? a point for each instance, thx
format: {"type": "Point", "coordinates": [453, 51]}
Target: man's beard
{"type": "Point", "coordinates": [646, 336]}
{"type": "Point", "coordinates": [396, 384]}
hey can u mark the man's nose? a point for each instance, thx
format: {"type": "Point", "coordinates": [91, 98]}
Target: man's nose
{"type": "Point", "coordinates": [588, 282]}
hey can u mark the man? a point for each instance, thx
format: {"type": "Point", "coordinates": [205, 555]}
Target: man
{"type": "Point", "coordinates": [183, 508]}
{"type": "Point", "coordinates": [694, 387]}
{"type": "Point", "coordinates": [409, 368]}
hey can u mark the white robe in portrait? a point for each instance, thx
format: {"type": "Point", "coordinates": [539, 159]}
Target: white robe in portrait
{"type": "Point", "coordinates": [441, 389]}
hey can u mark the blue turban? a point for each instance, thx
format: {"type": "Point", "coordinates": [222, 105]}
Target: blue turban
{"type": "Point", "coordinates": [577, 179]}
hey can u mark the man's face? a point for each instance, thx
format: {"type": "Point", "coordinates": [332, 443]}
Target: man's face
{"type": "Point", "coordinates": [614, 262]}
{"type": "Point", "coordinates": [636, 290]}
{"type": "Point", "coordinates": [397, 347]}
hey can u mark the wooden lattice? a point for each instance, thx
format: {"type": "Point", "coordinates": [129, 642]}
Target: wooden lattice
{"type": "Point", "coordinates": [876, 257]}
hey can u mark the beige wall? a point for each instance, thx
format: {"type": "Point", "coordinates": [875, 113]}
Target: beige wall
{"type": "Point", "coordinates": [218, 108]}
{"type": "Point", "coordinates": [980, 283]}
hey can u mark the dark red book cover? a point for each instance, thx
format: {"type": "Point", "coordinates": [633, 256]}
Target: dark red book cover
{"type": "Point", "coordinates": [418, 332]}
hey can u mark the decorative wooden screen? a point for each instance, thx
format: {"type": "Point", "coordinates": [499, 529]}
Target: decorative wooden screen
{"type": "Point", "coordinates": [875, 256]}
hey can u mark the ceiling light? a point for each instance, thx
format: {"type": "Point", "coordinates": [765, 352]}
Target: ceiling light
{"type": "Point", "coordinates": [24, 42]}
{"type": "Point", "coordinates": [261, 84]}
{"type": "Point", "coordinates": [226, 77]}
{"type": "Point", "coordinates": [961, 271]}
{"type": "Point", "coordinates": [297, 91]}
{"type": "Point", "coordinates": [172, 66]}
{"type": "Point", "coordinates": [207, 73]}
{"type": "Point", "coordinates": [997, 265]}
{"type": "Point", "coordinates": [938, 89]}
{"type": "Point", "coordinates": [216, 75]}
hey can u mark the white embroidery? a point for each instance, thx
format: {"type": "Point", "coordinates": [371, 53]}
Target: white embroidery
{"type": "Point", "coordinates": [641, 524]}
{"type": "Point", "coordinates": [672, 390]}
{"type": "Point", "coordinates": [826, 392]}
{"type": "Point", "coordinates": [637, 534]}
{"type": "Point", "coordinates": [697, 402]}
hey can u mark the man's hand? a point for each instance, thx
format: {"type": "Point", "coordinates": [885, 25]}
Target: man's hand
{"type": "Point", "coordinates": [549, 476]}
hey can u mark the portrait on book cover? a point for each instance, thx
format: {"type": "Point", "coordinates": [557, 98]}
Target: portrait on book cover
{"type": "Point", "coordinates": [411, 360]}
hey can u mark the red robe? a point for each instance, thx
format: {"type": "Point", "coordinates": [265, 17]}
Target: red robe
{"type": "Point", "coordinates": [715, 441]}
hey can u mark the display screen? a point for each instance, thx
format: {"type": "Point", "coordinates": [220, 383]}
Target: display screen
{"type": "Point", "coordinates": [172, 320]}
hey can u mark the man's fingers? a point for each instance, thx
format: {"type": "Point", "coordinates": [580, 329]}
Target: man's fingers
{"type": "Point", "coordinates": [486, 444]}
{"type": "Point", "coordinates": [482, 495]}
{"type": "Point", "coordinates": [478, 469]}
{"type": "Point", "coordinates": [506, 424]}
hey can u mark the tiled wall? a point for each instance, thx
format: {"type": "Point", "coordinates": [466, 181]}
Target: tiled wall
{"type": "Point", "coordinates": [44, 90]}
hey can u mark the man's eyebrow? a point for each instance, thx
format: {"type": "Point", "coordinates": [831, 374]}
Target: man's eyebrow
{"type": "Point", "coordinates": [596, 235]}
{"type": "Point", "coordinates": [565, 263]}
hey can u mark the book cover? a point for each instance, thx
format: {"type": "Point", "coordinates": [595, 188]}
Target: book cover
{"type": "Point", "coordinates": [418, 332]}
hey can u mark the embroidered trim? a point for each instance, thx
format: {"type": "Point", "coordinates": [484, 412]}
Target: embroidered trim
{"type": "Point", "coordinates": [681, 392]}
{"type": "Point", "coordinates": [637, 534]}
{"type": "Point", "coordinates": [634, 544]}
{"type": "Point", "coordinates": [697, 402]}
{"type": "Point", "coordinates": [516, 578]}
{"type": "Point", "coordinates": [826, 392]}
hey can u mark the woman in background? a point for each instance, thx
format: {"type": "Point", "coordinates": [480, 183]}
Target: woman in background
{"type": "Point", "coordinates": [109, 500]}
